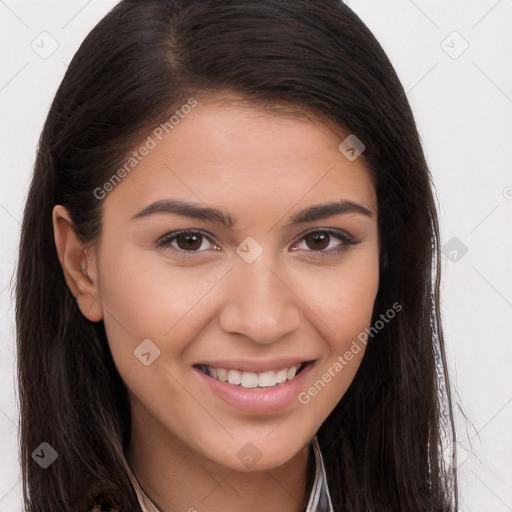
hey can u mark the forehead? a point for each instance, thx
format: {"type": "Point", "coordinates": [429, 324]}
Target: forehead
{"type": "Point", "coordinates": [229, 151]}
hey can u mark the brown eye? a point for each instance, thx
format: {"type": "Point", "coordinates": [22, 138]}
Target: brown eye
{"type": "Point", "coordinates": [318, 240]}
{"type": "Point", "coordinates": [187, 242]}
{"type": "Point", "coordinates": [327, 242]}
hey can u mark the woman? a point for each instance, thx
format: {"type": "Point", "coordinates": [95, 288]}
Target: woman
{"type": "Point", "coordinates": [228, 287]}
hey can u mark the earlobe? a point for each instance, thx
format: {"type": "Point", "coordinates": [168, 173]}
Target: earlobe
{"type": "Point", "coordinates": [79, 265]}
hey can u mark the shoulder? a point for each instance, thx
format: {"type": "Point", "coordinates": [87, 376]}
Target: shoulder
{"type": "Point", "coordinates": [103, 503]}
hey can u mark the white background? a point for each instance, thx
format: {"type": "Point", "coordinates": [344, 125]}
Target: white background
{"type": "Point", "coordinates": [463, 107]}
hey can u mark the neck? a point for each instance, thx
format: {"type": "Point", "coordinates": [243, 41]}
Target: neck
{"type": "Point", "coordinates": [176, 477]}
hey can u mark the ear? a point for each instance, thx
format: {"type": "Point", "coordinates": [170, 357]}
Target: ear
{"type": "Point", "coordinates": [79, 264]}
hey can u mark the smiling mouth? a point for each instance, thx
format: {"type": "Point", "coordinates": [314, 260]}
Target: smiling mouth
{"type": "Point", "coordinates": [252, 380]}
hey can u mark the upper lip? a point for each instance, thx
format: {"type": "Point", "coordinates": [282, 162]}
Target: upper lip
{"type": "Point", "coordinates": [256, 366]}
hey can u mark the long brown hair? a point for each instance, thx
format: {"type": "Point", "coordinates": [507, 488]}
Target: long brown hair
{"type": "Point", "coordinates": [383, 442]}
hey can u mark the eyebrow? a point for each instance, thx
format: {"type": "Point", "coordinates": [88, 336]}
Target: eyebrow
{"type": "Point", "coordinates": [207, 213]}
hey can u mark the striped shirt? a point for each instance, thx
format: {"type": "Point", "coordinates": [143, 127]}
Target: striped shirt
{"type": "Point", "coordinates": [319, 498]}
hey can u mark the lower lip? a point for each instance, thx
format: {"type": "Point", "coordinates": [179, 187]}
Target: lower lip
{"type": "Point", "coordinates": [258, 400]}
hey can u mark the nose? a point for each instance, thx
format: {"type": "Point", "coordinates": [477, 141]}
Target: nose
{"type": "Point", "coordinates": [259, 303]}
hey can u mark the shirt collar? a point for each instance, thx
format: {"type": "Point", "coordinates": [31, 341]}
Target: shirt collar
{"type": "Point", "coordinates": [319, 499]}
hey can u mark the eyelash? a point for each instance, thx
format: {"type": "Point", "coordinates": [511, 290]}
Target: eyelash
{"type": "Point", "coordinates": [165, 242]}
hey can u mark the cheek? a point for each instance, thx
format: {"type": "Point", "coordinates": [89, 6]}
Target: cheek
{"type": "Point", "coordinates": [343, 306]}
{"type": "Point", "coordinates": [342, 298]}
{"type": "Point", "coordinates": [147, 301]}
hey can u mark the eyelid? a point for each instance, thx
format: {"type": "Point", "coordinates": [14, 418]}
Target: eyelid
{"type": "Point", "coordinates": [165, 241]}
{"type": "Point", "coordinates": [340, 233]}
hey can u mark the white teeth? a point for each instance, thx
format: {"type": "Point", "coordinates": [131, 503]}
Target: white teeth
{"type": "Point", "coordinates": [222, 374]}
{"type": "Point", "coordinates": [234, 377]}
{"type": "Point", "coordinates": [267, 379]}
{"type": "Point", "coordinates": [291, 372]}
{"type": "Point", "coordinates": [250, 380]}
{"type": "Point", "coordinates": [281, 376]}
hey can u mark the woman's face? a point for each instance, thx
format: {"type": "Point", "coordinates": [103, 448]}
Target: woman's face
{"type": "Point", "coordinates": [267, 278]}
